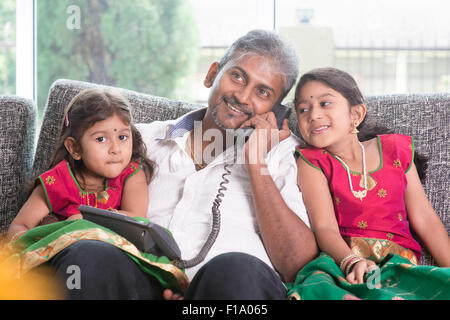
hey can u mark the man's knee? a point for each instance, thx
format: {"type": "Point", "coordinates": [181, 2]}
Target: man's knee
{"type": "Point", "coordinates": [98, 270]}
{"type": "Point", "coordinates": [236, 275]}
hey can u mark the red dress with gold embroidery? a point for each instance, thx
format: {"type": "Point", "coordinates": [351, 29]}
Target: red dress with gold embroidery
{"type": "Point", "coordinates": [64, 194]}
{"type": "Point", "coordinates": [378, 222]}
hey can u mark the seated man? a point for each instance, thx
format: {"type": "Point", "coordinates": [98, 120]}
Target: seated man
{"type": "Point", "coordinates": [263, 223]}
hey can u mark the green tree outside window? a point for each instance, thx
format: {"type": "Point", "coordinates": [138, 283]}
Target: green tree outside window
{"type": "Point", "coordinates": [144, 45]}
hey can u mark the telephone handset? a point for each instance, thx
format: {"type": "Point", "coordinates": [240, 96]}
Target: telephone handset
{"type": "Point", "coordinates": [281, 112]}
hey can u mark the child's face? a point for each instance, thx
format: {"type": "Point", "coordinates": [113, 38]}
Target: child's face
{"type": "Point", "coordinates": [106, 147]}
{"type": "Point", "coordinates": [323, 114]}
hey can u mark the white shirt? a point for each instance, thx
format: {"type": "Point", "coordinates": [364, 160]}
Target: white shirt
{"type": "Point", "coordinates": [181, 198]}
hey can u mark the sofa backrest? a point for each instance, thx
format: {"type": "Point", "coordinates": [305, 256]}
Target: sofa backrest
{"type": "Point", "coordinates": [17, 132]}
{"type": "Point", "coordinates": [425, 117]}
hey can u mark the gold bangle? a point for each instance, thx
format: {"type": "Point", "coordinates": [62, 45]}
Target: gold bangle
{"type": "Point", "coordinates": [344, 261]}
{"type": "Point", "coordinates": [350, 265]}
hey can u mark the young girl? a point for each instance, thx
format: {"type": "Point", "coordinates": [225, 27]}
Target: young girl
{"type": "Point", "coordinates": [100, 161]}
{"type": "Point", "coordinates": [362, 197]}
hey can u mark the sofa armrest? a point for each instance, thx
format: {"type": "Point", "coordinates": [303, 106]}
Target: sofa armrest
{"type": "Point", "coordinates": [17, 137]}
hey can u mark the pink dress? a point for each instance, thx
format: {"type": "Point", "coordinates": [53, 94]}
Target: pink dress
{"type": "Point", "coordinates": [377, 224]}
{"type": "Point", "coordinates": [64, 194]}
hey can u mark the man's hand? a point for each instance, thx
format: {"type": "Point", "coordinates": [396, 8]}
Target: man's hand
{"type": "Point", "coordinates": [265, 136]}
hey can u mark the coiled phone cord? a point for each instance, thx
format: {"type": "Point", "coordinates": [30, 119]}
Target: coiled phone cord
{"type": "Point", "coordinates": [215, 225]}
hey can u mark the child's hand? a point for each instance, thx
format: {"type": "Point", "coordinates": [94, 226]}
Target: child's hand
{"type": "Point", "coordinates": [75, 217]}
{"type": "Point", "coordinates": [359, 270]}
{"type": "Point", "coordinates": [170, 295]}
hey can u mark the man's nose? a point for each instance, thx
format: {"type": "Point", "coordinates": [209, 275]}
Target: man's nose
{"type": "Point", "coordinates": [243, 96]}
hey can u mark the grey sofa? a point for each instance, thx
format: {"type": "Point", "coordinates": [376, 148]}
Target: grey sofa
{"type": "Point", "coordinates": [425, 117]}
{"type": "Point", "coordinates": [17, 139]}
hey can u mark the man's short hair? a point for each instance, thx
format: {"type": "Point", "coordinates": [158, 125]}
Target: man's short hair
{"type": "Point", "coordinates": [269, 44]}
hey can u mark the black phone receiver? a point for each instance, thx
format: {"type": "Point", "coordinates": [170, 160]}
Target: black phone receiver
{"type": "Point", "coordinates": [281, 112]}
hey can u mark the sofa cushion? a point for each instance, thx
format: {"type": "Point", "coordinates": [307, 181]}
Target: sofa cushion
{"type": "Point", "coordinates": [17, 137]}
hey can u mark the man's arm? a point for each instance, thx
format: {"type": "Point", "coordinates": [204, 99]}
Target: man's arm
{"type": "Point", "coordinates": [289, 242]}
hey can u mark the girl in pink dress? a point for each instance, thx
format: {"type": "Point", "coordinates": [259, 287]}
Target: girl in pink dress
{"type": "Point", "coordinates": [100, 161]}
{"type": "Point", "coordinates": [362, 197]}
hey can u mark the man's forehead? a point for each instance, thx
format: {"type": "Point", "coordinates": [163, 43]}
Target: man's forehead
{"type": "Point", "coordinates": [262, 60]}
{"type": "Point", "coordinates": [262, 66]}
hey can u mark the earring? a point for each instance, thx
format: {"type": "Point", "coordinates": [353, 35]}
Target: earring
{"type": "Point", "coordinates": [76, 156]}
{"type": "Point", "coordinates": [354, 130]}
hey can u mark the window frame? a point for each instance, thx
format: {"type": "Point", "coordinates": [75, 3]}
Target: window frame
{"type": "Point", "coordinates": [26, 49]}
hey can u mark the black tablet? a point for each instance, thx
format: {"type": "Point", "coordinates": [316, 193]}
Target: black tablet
{"type": "Point", "coordinates": [147, 237]}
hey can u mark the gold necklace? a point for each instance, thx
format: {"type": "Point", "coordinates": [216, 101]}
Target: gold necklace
{"type": "Point", "coordinates": [362, 193]}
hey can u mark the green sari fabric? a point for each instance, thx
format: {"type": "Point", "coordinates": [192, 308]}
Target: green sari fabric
{"type": "Point", "coordinates": [42, 243]}
{"type": "Point", "coordinates": [396, 279]}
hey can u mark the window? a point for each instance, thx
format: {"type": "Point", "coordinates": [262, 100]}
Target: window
{"type": "Point", "coordinates": [8, 47]}
{"type": "Point", "coordinates": [400, 46]}
{"type": "Point", "coordinates": [165, 47]}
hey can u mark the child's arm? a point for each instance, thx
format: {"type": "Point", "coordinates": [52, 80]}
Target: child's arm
{"type": "Point", "coordinates": [33, 211]}
{"type": "Point", "coordinates": [319, 204]}
{"type": "Point", "coordinates": [135, 196]}
{"type": "Point", "coordinates": [425, 221]}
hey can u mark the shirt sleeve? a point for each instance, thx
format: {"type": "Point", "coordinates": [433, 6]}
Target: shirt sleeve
{"type": "Point", "coordinates": [284, 174]}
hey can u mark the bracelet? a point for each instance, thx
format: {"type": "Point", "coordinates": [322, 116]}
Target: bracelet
{"type": "Point", "coordinates": [351, 263]}
{"type": "Point", "coordinates": [344, 261]}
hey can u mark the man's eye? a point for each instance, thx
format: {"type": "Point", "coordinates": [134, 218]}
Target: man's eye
{"type": "Point", "coordinates": [264, 92]}
{"type": "Point", "coordinates": [236, 76]}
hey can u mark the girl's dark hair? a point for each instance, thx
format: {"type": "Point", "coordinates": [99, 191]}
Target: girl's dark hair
{"type": "Point", "coordinates": [346, 85]}
{"type": "Point", "coordinates": [84, 110]}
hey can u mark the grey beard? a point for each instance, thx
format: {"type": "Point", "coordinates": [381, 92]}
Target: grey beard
{"type": "Point", "coordinates": [216, 120]}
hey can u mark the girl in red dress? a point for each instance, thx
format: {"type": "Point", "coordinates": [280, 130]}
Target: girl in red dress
{"type": "Point", "coordinates": [362, 197]}
{"type": "Point", "coordinates": [100, 161]}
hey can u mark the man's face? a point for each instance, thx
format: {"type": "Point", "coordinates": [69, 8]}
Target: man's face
{"type": "Point", "coordinates": [244, 87]}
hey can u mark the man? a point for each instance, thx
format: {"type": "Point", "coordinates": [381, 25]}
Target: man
{"type": "Point", "coordinates": [270, 227]}
{"type": "Point", "coordinates": [263, 223]}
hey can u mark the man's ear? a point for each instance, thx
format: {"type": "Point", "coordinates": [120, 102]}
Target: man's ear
{"type": "Point", "coordinates": [73, 147]}
{"type": "Point", "coordinates": [211, 75]}
{"type": "Point", "coordinates": [358, 113]}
